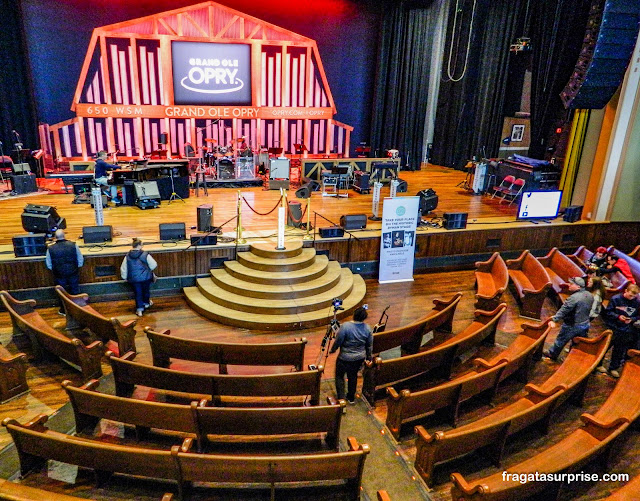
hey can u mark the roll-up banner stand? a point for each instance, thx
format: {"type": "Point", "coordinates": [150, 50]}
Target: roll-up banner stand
{"type": "Point", "coordinates": [398, 242]}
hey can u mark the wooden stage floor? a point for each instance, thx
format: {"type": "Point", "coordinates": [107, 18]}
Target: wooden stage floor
{"type": "Point", "coordinates": [130, 222]}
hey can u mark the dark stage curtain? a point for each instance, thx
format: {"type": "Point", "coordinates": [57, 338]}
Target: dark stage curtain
{"type": "Point", "coordinates": [471, 111]}
{"type": "Point", "coordinates": [557, 31]}
{"type": "Point", "coordinates": [17, 104]}
{"type": "Point", "coordinates": [402, 81]}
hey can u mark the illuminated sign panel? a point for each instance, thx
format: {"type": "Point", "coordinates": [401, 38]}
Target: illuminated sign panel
{"type": "Point", "coordinates": [215, 74]}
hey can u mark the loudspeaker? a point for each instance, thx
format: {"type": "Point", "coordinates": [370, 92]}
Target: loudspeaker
{"type": "Point", "coordinates": [361, 181]}
{"type": "Point", "coordinates": [172, 231]}
{"type": "Point", "coordinates": [428, 201]}
{"type": "Point", "coordinates": [402, 186]}
{"type": "Point", "coordinates": [573, 213]}
{"type": "Point", "coordinates": [353, 221]}
{"type": "Point", "coordinates": [454, 220]}
{"type": "Point", "coordinates": [30, 245]}
{"type": "Point", "coordinates": [23, 183]}
{"type": "Point", "coordinates": [205, 217]}
{"type": "Point", "coordinates": [147, 190]}
{"type": "Point", "coordinates": [97, 234]}
{"type": "Point", "coordinates": [203, 239]}
{"type": "Point", "coordinates": [331, 232]}
{"type": "Point", "coordinates": [306, 189]}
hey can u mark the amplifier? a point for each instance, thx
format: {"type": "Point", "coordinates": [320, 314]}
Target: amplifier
{"type": "Point", "coordinates": [331, 232]}
{"type": "Point", "coordinates": [454, 220]}
{"type": "Point", "coordinates": [573, 213]}
{"type": "Point", "coordinates": [203, 239]}
{"type": "Point", "coordinates": [34, 244]}
{"type": "Point", "coordinates": [205, 216]}
{"type": "Point", "coordinates": [172, 231]}
{"type": "Point", "coordinates": [97, 234]}
{"type": "Point", "coordinates": [353, 221]}
{"type": "Point", "coordinates": [361, 181]}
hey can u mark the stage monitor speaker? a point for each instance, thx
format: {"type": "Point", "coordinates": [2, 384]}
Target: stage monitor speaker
{"type": "Point", "coordinates": [42, 223]}
{"type": "Point", "coordinates": [573, 213]}
{"type": "Point", "coordinates": [97, 234]}
{"type": "Point", "coordinates": [147, 190]}
{"type": "Point", "coordinates": [22, 184]}
{"type": "Point", "coordinates": [203, 239]}
{"type": "Point", "coordinates": [331, 232]}
{"type": "Point", "coordinates": [403, 187]}
{"type": "Point", "coordinates": [428, 201]}
{"type": "Point", "coordinates": [353, 221]}
{"type": "Point", "coordinates": [205, 217]}
{"type": "Point", "coordinates": [454, 220]}
{"type": "Point", "coordinates": [306, 189]}
{"type": "Point", "coordinates": [173, 231]}
{"type": "Point", "coordinates": [23, 168]}
{"type": "Point", "coordinates": [34, 244]}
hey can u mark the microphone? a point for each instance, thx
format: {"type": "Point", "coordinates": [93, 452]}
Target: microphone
{"type": "Point", "coordinates": [15, 133]}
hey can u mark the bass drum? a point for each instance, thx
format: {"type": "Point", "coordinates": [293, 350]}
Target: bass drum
{"type": "Point", "coordinates": [226, 169]}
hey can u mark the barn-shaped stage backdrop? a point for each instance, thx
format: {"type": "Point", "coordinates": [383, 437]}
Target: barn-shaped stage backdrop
{"type": "Point", "coordinates": [205, 72]}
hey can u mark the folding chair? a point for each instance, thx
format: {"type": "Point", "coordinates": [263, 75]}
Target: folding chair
{"type": "Point", "coordinates": [504, 186]}
{"type": "Point", "coordinates": [514, 191]}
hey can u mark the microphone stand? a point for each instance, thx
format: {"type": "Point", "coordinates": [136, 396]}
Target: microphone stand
{"type": "Point", "coordinates": [380, 326]}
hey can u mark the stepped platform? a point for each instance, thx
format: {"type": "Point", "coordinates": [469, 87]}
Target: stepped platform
{"type": "Point", "coordinates": [269, 289]}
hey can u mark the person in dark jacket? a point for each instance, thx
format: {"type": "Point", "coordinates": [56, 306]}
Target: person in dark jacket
{"type": "Point", "coordinates": [621, 313]}
{"type": "Point", "coordinates": [137, 268]}
{"type": "Point", "coordinates": [355, 341]}
{"type": "Point", "coordinates": [65, 260]}
{"type": "Point", "coordinates": [575, 316]}
{"type": "Point", "coordinates": [615, 263]}
{"type": "Point", "coordinates": [101, 171]}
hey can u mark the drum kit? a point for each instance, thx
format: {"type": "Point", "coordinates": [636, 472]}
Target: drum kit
{"type": "Point", "coordinates": [233, 161]}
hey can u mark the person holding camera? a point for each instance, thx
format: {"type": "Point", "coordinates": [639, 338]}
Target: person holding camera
{"type": "Point", "coordinates": [355, 341]}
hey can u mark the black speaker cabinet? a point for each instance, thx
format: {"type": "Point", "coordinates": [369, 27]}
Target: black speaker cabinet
{"type": "Point", "coordinates": [454, 220]}
{"type": "Point", "coordinates": [205, 217]}
{"type": "Point", "coordinates": [573, 213]}
{"type": "Point", "coordinates": [97, 234]}
{"type": "Point", "coordinates": [331, 232]}
{"type": "Point", "coordinates": [203, 239]}
{"type": "Point", "coordinates": [353, 221]}
{"type": "Point", "coordinates": [361, 181]}
{"type": "Point", "coordinates": [38, 223]}
{"type": "Point", "coordinates": [173, 231]}
{"type": "Point", "coordinates": [428, 201]}
{"type": "Point", "coordinates": [23, 183]}
{"type": "Point", "coordinates": [34, 244]}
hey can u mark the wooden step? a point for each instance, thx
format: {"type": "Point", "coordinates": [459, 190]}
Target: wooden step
{"type": "Point", "coordinates": [269, 251]}
{"type": "Point", "coordinates": [224, 280]}
{"type": "Point", "coordinates": [313, 271]}
{"type": "Point", "coordinates": [302, 260]}
{"type": "Point", "coordinates": [240, 302]}
{"type": "Point", "coordinates": [280, 323]}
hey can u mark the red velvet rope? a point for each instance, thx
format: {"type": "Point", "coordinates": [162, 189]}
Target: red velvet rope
{"type": "Point", "coordinates": [260, 213]}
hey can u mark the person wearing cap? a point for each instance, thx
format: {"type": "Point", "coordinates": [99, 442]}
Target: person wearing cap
{"type": "Point", "coordinates": [620, 314]}
{"type": "Point", "coordinates": [598, 259]}
{"type": "Point", "coordinates": [574, 314]}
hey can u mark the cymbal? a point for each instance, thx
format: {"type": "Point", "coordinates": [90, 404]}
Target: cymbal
{"type": "Point", "coordinates": [209, 140]}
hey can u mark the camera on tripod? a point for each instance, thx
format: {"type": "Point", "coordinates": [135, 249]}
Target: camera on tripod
{"type": "Point", "coordinates": [336, 302]}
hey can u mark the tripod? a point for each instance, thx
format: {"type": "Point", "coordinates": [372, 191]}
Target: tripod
{"type": "Point", "coordinates": [332, 330]}
{"type": "Point", "coordinates": [174, 195]}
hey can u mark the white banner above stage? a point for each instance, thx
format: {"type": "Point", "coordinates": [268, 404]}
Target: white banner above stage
{"type": "Point", "coordinates": [398, 242]}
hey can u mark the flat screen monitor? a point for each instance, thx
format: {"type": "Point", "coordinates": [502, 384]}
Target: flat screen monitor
{"type": "Point", "coordinates": [539, 204]}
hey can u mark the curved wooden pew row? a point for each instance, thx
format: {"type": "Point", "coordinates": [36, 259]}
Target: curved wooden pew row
{"type": "Point", "coordinates": [492, 279]}
{"type": "Point", "coordinates": [531, 283]}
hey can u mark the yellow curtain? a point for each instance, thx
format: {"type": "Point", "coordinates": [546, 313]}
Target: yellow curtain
{"type": "Point", "coordinates": [574, 154]}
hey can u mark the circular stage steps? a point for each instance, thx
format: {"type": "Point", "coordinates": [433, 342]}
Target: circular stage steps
{"type": "Point", "coordinates": [268, 289]}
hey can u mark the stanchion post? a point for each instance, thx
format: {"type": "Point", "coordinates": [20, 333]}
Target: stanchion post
{"type": "Point", "coordinates": [308, 236]}
{"type": "Point", "coordinates": [239, 238]}
{"type": "Point", "coordinates": [282, 214]}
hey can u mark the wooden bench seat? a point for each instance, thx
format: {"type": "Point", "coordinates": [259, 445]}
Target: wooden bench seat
{"type": "Point", "coordinates": [405, 406]}
{"type": "Point", "coordinates": [127, 374]}
{"type": "Point", "coordinates": [201, 421]}
{"type": "Point", "coordinates": [409, 337]}
{"type": "Point", "coordinates": [629, 492]}
{"type": "Point", "coordinates": [36, 444]}
{"type": "Point", "coordinates": [560, 269]}
{"type": "Point", "coordinates": [492, 430]}
{"type": "Point", "coordinates": [164, 347]}
{"type": "Point", "coordinates": [595, 437]}
{"type": "Point", "coordinates": [531, 283]}
{"type": "Point", "coordinates": [492, 279]}
{"type": "Point", "coordinates": [13, 375]}
{"type": "Point", "coordinates": [581, 256]}
{"type": "Point", "coordinates": [12, 491]}
{"type": "Point", "coordinates": [80, 315]}
{"type": "Point", "coordinates": [44, 338]}
{"type": "Point", "coordinates": [379, 373]}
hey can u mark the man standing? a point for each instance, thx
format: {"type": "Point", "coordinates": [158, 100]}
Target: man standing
{"type": "Point", "coordinates": [355, 341]}
{"type": "Point", "coordinates": [621, 312]}
{"type": "Point", "coordinates": [65, 260]}
{"type": "Point", "coordinates": [575, 316]}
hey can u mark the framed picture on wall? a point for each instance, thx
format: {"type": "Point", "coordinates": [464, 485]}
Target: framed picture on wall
{"type": "Point", "coordinates": [517, 133]}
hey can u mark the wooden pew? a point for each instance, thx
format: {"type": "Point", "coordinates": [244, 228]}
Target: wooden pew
{"type": "Point", "coordinates": [164, 347]}
{"type": "Point", "coordinates": [80, 315]}
{"type": "Point", "coordinates": [199, 420]}
{"type": "Point", "coordinates": [531, 283]}
{"type": "Point", "coordinates": [16, 492]}
{"type": "Point", "coordinates": [405, 406]}
{"type": "Point", "coordinates": [128, 374]}
{"type": "Point", "coordinates": [634, 265]}
{"type": "Point", "coordinates": [13, 375]}
{"type": "Point", "coordinates": [43, 337]}
{"type": "Point", "coordinates": [491, 431]}
{"type": "Point", "coordinates": [492, 279]}
{"type": "Point", "coordinates": [36, 444]}
{"type": "Point", "coordinates": [409, 337]}
{"type": "Point", "coordinates": [329, 467]}
{"type": "Point", "coordinates": [380, 373]}
{"type": "Point", "coordinates": [594, 438]}
{"type": "Point", "coordinates": [560, 269]}
{"type": "Point", "coordinates": [629, 492]}
{"type": "Point", "coordinates": [581, 256]}
{"type": "Point", "coordinates": [383, 496]}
